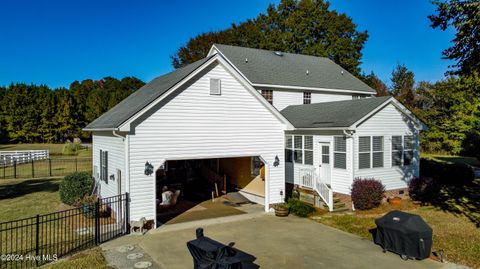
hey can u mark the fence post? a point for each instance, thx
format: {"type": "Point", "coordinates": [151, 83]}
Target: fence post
{"type": "Point", "coordinates": [14, 168]}
{"type": "Point", "coordinates": [50, 166]}
{"type": "Point", "coordinates": [33, 169]}
{"type": "Point", "coordinates": [127, 212]}
{"type": "Point", "coordinates": [37, 239]}
{"type": "Point", "coordinates": [97, 222]}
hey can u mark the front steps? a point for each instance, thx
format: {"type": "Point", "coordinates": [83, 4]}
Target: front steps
{"type": "Point", "coordinates": [311, 197]}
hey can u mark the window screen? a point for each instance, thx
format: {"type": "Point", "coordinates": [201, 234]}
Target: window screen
{"type": "Point", "coordinates": [340, 152]}
{"type": "Point", "coordinates": [308, 149]}
{"type": "Point", "coordinates": [408, 150]}
{"type": "Point", "coordinates": [325, 154]}
{"type": "Point", "coordinates": [364, 152]}
{"type": "Point", "coordinates": [377, 151]}
{"type": "Point", "coordinates": [215, 86]}
{"type": "Point", "coordinates": [396, 150]}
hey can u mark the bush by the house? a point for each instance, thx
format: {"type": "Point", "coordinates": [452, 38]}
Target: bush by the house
{"type": "Point", "coordinates": [299, 208]}
{"type": "Point", "coordinates": [367, 193]}
{"type": "Point", "coordinates": [457, 174]}
{"type": "Point", "coordinates": [423, 189]}
{"type": "Point", "coordinates": [71, 148]}
{"type": "Point", "coordinates": [87, 205]}
{"type": "Point", "coordinates": [75, 186]}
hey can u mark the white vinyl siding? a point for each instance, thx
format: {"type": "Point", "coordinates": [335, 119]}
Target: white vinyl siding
{"type": "Point", "coordinates": [283, 98]}
{"type": "Point", "coordinates": [390, 123]}
{"type": "Point", "coordinates": [106, 142]}
{"type": "Point", "coordinates": [197, 125]}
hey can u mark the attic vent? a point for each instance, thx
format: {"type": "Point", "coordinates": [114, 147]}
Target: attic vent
{"type": "Point", "coordinates": [278, 53]}
{"type": "Point", "coordinates": [215, 86]}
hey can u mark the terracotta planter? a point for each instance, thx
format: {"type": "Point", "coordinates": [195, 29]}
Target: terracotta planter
{"type": "Point", "coordinates": [395, 201]}
{"type": "Point", "coordinates": [281, 211]}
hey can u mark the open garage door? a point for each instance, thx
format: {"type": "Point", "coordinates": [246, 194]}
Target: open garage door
{"type": "Point", "coordinates": [189, 190]}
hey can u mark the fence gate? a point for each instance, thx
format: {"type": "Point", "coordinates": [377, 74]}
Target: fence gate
{"type": "Point", "coordinates": [37, 240]}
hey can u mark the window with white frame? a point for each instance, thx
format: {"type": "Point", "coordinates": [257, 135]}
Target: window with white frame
{"type": "Point", "coordinates": [104, 165]}
{"type": "Point", "coordinates": [308, 149]}
{"type": "Point", "coordinates": [370, 152]}
{"type": "Point", "coordinates": [407, 150]}
{"type": "Point", "coordinates": [215, 86]}
{"type": "Point", "coordinates": [364, 151]}
{"type": "Point", "coordinates": [340, 152]}
{"type": "Point", "coordinates": [297, 145]}
{"type": "Point", "coordinates": [325, 154]}
{"type": "Point", "coordinates": [268, 94]}
{"type": "Point", "coordinates": [289, 149]}
{"type": "Point", "coordinates": [377, 151]}
{"type": "Point", "coordinates": [397, 149]}
{"type": "Point", "coordinates": [307, 98]}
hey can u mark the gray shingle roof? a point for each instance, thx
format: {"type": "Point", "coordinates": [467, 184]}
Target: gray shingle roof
{"type": "Point", "coordinates": [331, 114]}
{"type": "Point", "coordinates": [142, 97]}
{"type": "Point", "coordinates": [265, 67]}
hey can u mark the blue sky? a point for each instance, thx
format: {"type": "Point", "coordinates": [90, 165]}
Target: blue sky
{"type": "Point", "coordinates": [56, 42]}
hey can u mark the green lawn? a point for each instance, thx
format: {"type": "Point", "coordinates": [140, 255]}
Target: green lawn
{"type": "Point", "coordinates": [453, 159]}
{"type": "Point", "coordinates": [92, 258]}
{"type": "Point", "coordinates": [20, 198]}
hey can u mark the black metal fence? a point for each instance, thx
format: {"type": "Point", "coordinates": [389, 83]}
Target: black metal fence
{"type": "Point", "coordinates": [35, 241]}
{"type": "Point", "coordinates": [45, 168]}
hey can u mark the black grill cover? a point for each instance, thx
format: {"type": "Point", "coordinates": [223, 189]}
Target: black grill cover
{"type": "Point", "coordinates": [210, 254]}
{"type": "Point", "coordinates": [405, 234]}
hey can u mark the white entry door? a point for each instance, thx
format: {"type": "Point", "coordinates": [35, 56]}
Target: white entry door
{"type": "Point", "coordinates": [324, 166]}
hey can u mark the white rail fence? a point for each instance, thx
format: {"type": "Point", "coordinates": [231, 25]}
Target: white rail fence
{"type": "Point", "coordinates": [310, 179]}
{"type": "Point", "coordinates": [8, 158]}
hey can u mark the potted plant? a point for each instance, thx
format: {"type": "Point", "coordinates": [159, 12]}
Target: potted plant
{"type": "Point", "coordinates": [395, 201]}
{"type": "Point", "coordinates": [281, 210]}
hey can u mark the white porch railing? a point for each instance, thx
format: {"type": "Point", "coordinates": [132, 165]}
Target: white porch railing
{"type": "Point", "coordinates": [310, 179]}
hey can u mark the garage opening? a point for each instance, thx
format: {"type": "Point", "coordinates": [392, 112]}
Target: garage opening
{"type": "Point", "coordinates": [189, 190]}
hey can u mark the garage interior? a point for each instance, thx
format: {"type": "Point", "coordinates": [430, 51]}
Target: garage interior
{"type": "Point", "coordinates": [209, 188]}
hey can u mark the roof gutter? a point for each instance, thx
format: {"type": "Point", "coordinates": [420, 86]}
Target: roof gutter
{"type": "Point", "coordinates": [349, 128]}
{"type": "Point", "coordinates": [99, 129]}
{"type": "Point", "coordinates": [292, 87]}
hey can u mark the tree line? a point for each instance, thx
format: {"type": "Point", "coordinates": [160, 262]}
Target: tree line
{"type": "Point", "coordinates": [38, 114]}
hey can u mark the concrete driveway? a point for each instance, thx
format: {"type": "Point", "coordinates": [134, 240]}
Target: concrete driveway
{"type": "Point", "coordinates": [278, 243]}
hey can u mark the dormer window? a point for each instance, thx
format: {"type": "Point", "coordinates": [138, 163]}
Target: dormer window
{"type": "Point", "coordinates": [215, 86]}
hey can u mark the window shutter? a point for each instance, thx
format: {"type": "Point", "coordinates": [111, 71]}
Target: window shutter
{"type": "Point", "coordinates": [106, 166]}
{"type": "Point", "coordinates": [101, 165]}
{"type": "Point", "coordinates": [215, 86]}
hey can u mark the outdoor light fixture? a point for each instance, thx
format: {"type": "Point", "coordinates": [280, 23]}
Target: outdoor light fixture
{"type": "Point", "coordinates": [276, 162]}
{"type": "Point", "coordinates": [112, 177]}
{"type": "Point", "coordinates": [148, 168]}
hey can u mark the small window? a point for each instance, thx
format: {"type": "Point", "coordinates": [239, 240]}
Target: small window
{"type": "Point", "coordinates": [397, 150]}
{"type": "Point", "coordinates": [268, 95]}
{"type": "Point", "coordinates": [308, 149]}
{"type": "Point", "coordinates": [215, 86]}
{"type": "Point", "coordinates": [104, 166]}
{"type": "Point", "coordinates": [377, 151]}
{"type": "Point", "coordinates": [408, 150]}
{"type": "Point", "coordinates": [307, 98]}
{"type": "Point", "coordinates": [340, 152]}
{"type": "Point", "coordinates": [288, 149]}
{"type": "Point", "coordinates": [325, 154]}
{"type": "Point", "coordinates": [364, 151]}
{"type": "Point", "coordinates": [358, 96]}
{"type": "Point", "coordinates": [297, 144]}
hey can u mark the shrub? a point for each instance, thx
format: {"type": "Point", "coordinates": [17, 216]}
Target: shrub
{"type": "Point", "coordinates": [367, 193]}
{"type": "Point", "coordinates": [423, 189]}
{"type": "Point", "coordinates": [75, 186]}
{"type": "Point", "coordinates": [87, 205]}
{"type": "Point", "coordinates": [71, 148]}
{"type": "Point", "coordinates": [447, 173]}
{"type": "Point", "coordinates": [299, 208]}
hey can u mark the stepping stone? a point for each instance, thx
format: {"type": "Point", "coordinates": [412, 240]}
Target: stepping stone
{"type": "Point", "coordinates": [134, 256]}
{"type": "Point", "coordinates": [145, 264]}
{"type": "Point", "coordinates": [126, 248]}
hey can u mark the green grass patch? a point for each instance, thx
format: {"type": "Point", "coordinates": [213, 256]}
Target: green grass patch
{"type": "Point", "coordinates": [452, 159]}
{"type": "Point", "coordinates": [85, 260]}
{"type": "Point", "coordinates": [454, 233]}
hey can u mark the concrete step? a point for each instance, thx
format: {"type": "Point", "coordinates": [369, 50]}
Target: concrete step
{"type": "Point", "coordinates": [339, 210]}
{"type": "Point", "coordinates": [336, 199]}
